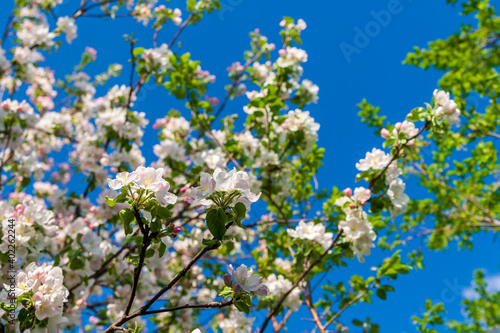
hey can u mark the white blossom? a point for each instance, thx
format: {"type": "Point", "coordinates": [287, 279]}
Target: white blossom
{"type": "Point", "coordinates": [375, 160]}
{"type": "Point", "coordinates": [312, 232]}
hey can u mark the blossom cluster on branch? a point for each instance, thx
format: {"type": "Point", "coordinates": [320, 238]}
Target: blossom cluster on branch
{"type": "Point", "coordinates": [152, 241]}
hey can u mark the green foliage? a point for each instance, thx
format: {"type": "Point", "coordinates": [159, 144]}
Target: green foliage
{"type": "Point", "coordinates": [216, 222]}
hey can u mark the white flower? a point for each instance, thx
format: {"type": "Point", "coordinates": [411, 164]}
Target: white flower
{"type": "Point", "coordinates": [279, 286]}
{"type": "Point", "coordinates": [237, 322]}
{"type": "Point", "coordinates": [122, 179]}
{"type": "Point", "coordinates": [164, 197]}
{"type": "Point", "coordinates": [170, 148]}
{"type": "Point", "coordinates": [407, 128]}
{"type": "Point", "coordinates": [359, 232]}
{"type": "Point", "coordinates": [313, 232]}
{"type": "Point", "coordinates": [246, 279]}
{"type": "Point", "coordinates": [309, 91]}
{"type": "Point", "coordinates": [149, 179]}
{"type": "Point", "coordinates": [292, 57]}
{"type": "Point", "coordinates": [398, 198]}
{"type": "Point", "coordinates": [363, 245]}
{"type": "Point", "coordinates": [362, 194]}
{"type": "Point", "coordinates": [376, 160]}
{"type": "Point", "coordinates": [446, 107]}
{"type": "Point", "coordinates": [68, 26]}
{"type": "Point", "coordinates": [223, 181]}
{"type": "Point", "coordinates": [46, 283]}
{"type": "Point", "coordinates": [355, 228]}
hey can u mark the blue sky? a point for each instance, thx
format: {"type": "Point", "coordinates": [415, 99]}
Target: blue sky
{"type": "Point", "coordinates": [373, 72]}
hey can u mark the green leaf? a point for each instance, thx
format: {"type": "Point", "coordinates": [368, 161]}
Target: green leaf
{"type": "Point", "coordinates": [242, 307]}
{"type": "Point", "coordinates": [127, 217]}
{"type": "Point", "coordinates": [155, 225]}
{"type": "Point", "coordinates": [137, 328]}
{"type": "Point", "coordinates": [122, 197]}
{"type": "Point", "coordinates": [227, 292]}
{"type": "Point", "coordinates": [163, 212]}
{"type": "Point", "coordinates": [209, 242]}
{"type": "Point", "coordinates": [381, 294]}
{"type": "Point", "coordinates": [357, 322]}
{"type": "Point", "coordinates": [216, 222]}
{"type": "Point", "coordinates": [138, 51]}
{"type": "Point", "coordinates": [247, 300]}
{"type": "Point", "coordinates": [240, 211]}
{"type": "Point", "coordinates": [76, 264]}
{"type": "Point", "coordinates": [150, 253]}
{"type": "Point", "coordinates": [162, 249]}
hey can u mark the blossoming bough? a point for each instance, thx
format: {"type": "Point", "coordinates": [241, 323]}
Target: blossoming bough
{"type": "Point", "coordinates": [159, 246]}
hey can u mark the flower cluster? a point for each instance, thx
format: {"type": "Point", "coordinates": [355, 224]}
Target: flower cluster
{"type": "Point", "coordinates": [224, 189]}
{"type": "Point", "coordinates": [278, 286]}
{"type": "Point", "coordinates": [147, 180]}
{"type": "Point", "coordinates": [236, 322]}
{"type": "Point", "coordinates": [356, 227]}
{"type": "Point", "coordinates": [245, 280]}
{"type": "Point", "coordinates": [312, 232]}
{"type": "Point", "coordinates": [446, 108]}
{"type": "Point", "coordinates": [35, 229]}
{"type": "Point", "coordinates": [44, 286]}
{"type": "Point", "coordinates": [378, 160]}
{"type": "Point", "coordinates": [68, 26]}
{"type": "Point", "coordinates": [405, 130]}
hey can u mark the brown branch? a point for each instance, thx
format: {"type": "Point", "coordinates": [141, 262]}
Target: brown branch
{"type": "Point", "coordinates": [142, 310]}
{"type": "Point", "coordinates": [396, 155]}
{"type": "Point", "coordinates": [211, 305]}
{"type": "Point", "coordinates": [283, 322]}
{"type": "Point", "coordinates": [355, 299]}
{"type": "Point", "coordinates": [302, 276]}
{"type": "Point", "coordinates": [309, 303]}
{"type": "Point", "coordinates": [273, 221]}
{"type": "Point", "coordinates": [10, 23]}
{"type": "Point", "coordinates": [181, 28]}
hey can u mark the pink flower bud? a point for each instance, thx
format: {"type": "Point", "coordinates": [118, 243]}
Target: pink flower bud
{"type": "Point", "coordinates": [398, 126]}
{"type": "Point", "coordinates": [177, 230]}
{"type": "Point", "coordinates": [173, 236]}
{"type": "Point", "coordinates": [5, 105]}
{"type": "Point", "coordinates": [183, 189]}
{"type": "Point", "coordinates": [257, 30]}
{"type": "Point", "coordinates": [282, 23]}
{"type": "Point", "coordinates": [20, 209]}
{"type": "Point", "coordinates": [92, 51]}
{"type": "Point", "coordinates": [93, 320]}
{"type": "Point", "coordinates": [385, 133]}
{"type": "Point", "coordinates": [352, 205]}
{"type": "Point", "coordinates": [227, 280]}
{"type": "Point", "coordinates": [236, 288]}
{"type": "Point", "coordinates": [282, 52]}
{"type": "Point", "coordinates": [347, 192]}
{"type": "Point", "coordinates": [262, 291]}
